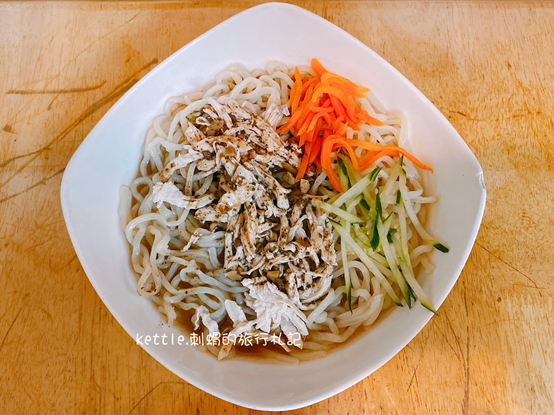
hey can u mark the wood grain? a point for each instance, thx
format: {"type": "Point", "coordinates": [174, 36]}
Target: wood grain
{"type": "Point", "coordinates": [486, 65]}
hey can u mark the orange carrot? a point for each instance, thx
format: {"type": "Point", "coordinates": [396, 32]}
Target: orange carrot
{"type": "Point", "coordinates": [368, 163]}
{"type": "Point", "coordinates": [321, 110]}
{"type": "Point", "coordinates": [303, 166]}
{"type": "Point", "coordinates": [318, 67]}
{"type": "Point", "coordinates": [376, 147]}
{"type": "Point", "coordinates": [296, 91]}
{"type": "Point", "coordinates": [368, 118]}
{"type": "Point", "coordinates": [309, 83]}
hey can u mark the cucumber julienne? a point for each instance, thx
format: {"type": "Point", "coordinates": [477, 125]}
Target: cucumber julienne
{"type": "Point", "coordinates": [382, 244]}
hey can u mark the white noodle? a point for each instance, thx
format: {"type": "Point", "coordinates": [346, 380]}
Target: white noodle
{"type": "Point", "coordinates": [180, 262]}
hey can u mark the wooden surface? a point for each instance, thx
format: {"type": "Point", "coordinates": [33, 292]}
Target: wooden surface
{"type": "Point", "coordinates": [488, 66]}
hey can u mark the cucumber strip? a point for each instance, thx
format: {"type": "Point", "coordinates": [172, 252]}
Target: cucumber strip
{"type": "Point", "coordinates": [366, 260]}
{"type": "Point", "coordinates": [378, 206]}
{"type": "Point", "coordinates": [374, 243]}
{"type": "Point", "coordinates": [337, 211]}
{"type": "Point", "coordinates": [390, 234]}
{"type": "Point", "coordinates": [360, 235]}
{"type": "Point", "coordinates": [355, 202]}
{"type": "Point", "coordinates": [347, 280]}
{"type": "Point", "coordinates": [392, 261]}
{"type": "Point", "coordinates": [407, 262]}
{"type": "Point", "coordinates": [398, 197]}
{"type": "Point", "coordinates": [413, 217]}
{"type": "Point", "coordinates": [343, 177]}
{"type": "Point", "coordinates": [418, 292]}
{"type": "Point", "coordinates": [374, 173]}
{"type": "Point", "coordinates": [387, 223]}
{"type": "Point", "coordinates": [353, 175]}
{"type": "Point", "coordinates": [353, 191]}
{"type": "Point", "coordinates": [398, 254]}
{"type": "Point", "coordinates": [332, 200]}
{"type": "Point", "coordinates": [378, 213]}
{"type": "Point", "coordinates": [391, 181]}
{"type": "Point", "coordinates": [378, 259]}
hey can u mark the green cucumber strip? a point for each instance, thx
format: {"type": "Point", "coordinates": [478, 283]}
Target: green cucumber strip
{"type": "Point", "coordinates": [364, 204]}
{"type": "Point", "coordinates": [342, 166]}
{"type": "Point", "coordinates": [387, 224]}
{"type": "Point", "coordinates": [334, 222]}
{"type": "Point", "coordinates": [345, 180]}
{"type": "Point", "coordinates": [378, 208]}
{"type": "Point", "coordinates": [367, 261]}
{"type": "Point", "coordinates": [374, 173]}
{"type": "Point", "coordinates": [355, 202]}
{"type": "Point", "coordinates": [332, 200]}
{"type": "Point", "coordinates": [353, 191]}
{"type": "Point", "coordinates": [361, 236]}
{"type": "Point", "coordinates": [392, 260]}
{"type": "Point", "coordinates": [398, 197]}
{"type": "Point", "coordinates": [390, 185]}
{"type": "Point", "coordinates": [353, 175]}
{"type": "Point", "coordinates": [337, 211]}
{"type": "Point", "coordinates": [441, 247]}
{"type": "Point", "coordinates": [407, 268]}
{"type": "Point", "coordinates": [398, 255]}
{"type": "Point", "coordinates": [413, 217]}
{"type": "Point", "coordinates": [375, 239]}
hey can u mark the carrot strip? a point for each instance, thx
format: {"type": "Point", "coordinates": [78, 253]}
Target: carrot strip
{"type": "Point", "coordinates": [305, 109]}
{"type": "Point", "coordinates": [341, 110]}
{"type": "Point", "coordinates": [322, 108]}
{"type": "Point", "coordinates": [344, 143]}
{"type": "Point", "coordinates": [290, 123]}
{"type": "Point", "coordinates": [309, 83]}
{"type": "Point", "coordinates": [330, 78]}
{"type": "Point", "coordinates": [318, 67]}
{"type": "Point", "coordinates": [317, 162]}
{"type": "Point", "coordinates": [306, 123]}
{"type": "Point", "coordinates": [315, 150]}
{"type": "Point", "coordinates": [303, 166]}
{"type": "Point", "coordinates": [332, 90]}
{"type": "Point", "coordinates": [341, 130]}
{"type": "Point", "coordinates": [366, 117]}
{"type": "Point", "coordinates": [318, 117]}
{"type": "Point", "coordinates": [368, 164]}
{"type": "Point", "coordinates": [376, 147]}
{"type": "Point", "coordinates": [296, 115]}
{"type": "Point", "coordinates": [296, 90]}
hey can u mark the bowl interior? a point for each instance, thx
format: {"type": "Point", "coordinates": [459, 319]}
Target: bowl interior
{"type": "Point", "coordinates": [109, 156]}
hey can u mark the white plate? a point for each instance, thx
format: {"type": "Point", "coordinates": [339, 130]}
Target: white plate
{"type": "Point", "coordinates": [109, 156]}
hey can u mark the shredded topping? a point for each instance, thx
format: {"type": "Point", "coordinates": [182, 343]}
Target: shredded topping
{"type": "Point", "coordinates": [277, 243]}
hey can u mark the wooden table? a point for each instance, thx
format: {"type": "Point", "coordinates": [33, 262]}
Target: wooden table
{"type": "Point", "coordinates": [487, 66]}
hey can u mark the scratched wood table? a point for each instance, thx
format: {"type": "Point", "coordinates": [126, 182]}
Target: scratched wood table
{"type": "Point", "coordinates": [487, 66]}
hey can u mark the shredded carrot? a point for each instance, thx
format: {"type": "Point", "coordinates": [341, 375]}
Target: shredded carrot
{"type": "Point", "coordinates": [296, 91]}
{"type": "Point", "coordinates": [366, 165]}
{"type": "Point", "coordinates": [318, 67]}
{"type": "Point", "coordinates": [308, 84]}
{"type": "Point", "coordinates": [322, 108]}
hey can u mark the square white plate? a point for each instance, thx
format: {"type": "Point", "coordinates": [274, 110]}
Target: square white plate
{"type": "Point", "coordinates": [109, 156]}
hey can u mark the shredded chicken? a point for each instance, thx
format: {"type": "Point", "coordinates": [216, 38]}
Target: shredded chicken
{"type": "Point", "coordinates": [168, 192]}
{"type": "Point", "coordinates": [276, 242]}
